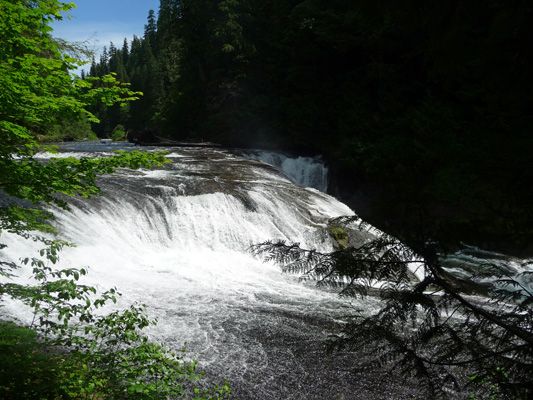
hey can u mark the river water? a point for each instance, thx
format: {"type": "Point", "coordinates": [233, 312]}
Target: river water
{"type": "Point", "coordinates": [177, 239]}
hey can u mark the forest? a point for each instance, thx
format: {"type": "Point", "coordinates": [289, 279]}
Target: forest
{"type": "Point", "coordinates": [420, 109]}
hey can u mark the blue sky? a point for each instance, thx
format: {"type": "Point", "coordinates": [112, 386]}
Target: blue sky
{"type": "Point", "coordinates": [102, 21]}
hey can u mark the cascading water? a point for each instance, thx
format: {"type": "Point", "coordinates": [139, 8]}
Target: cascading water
{"type": "Point", "coordinates": [304, 171]}
{"type": "Point", "coordinates": [177, 239]}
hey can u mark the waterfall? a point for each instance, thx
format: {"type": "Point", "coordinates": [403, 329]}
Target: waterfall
{"type": "Point", "coordinates": [303, 171]}
{"type": "Point", "coordinates": [176, 238]}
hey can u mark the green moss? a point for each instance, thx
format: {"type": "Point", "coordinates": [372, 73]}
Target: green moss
{"type": "Point", "coordinates": [340, 235]}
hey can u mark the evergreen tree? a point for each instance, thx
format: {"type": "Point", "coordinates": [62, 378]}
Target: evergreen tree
{"type": "Point", "coordinates": [169, 56]}
{"type": "Point", "coordinates": [125, 51]}
{"type": "Point", "coordinates": [120, 68]}
{"type": "Point", "coordinates": [170, 12]}
{"type": "Point", "coordinates": [145, 78]}
{"type": "Point", "coordinates": [112, 57]}
{"type": "Point", "coordinates": [93, 70]}
{"type": "Point", "coordinates": [150, 29]}
{"type": "Point", "coordinates": [104, 63]}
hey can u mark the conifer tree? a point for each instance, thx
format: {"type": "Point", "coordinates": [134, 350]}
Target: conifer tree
{"type": "Point", "coordinates": [150, 29]}
{"type": "Point", "coordinates": [125, 51]}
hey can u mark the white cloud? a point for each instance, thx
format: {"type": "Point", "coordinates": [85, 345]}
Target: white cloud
{"type": "Point", "coordinates": [96, 35]}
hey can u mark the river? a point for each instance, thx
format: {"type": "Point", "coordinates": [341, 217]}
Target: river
{"type": "Point", "coordinates": [177, 239]}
